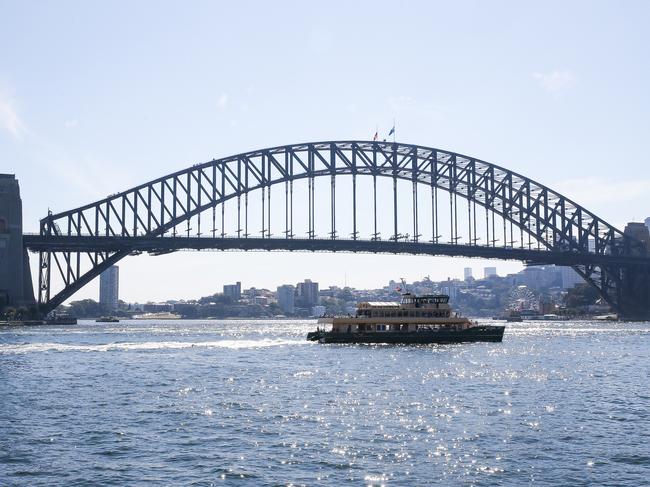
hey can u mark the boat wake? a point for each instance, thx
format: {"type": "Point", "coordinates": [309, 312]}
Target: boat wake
{"type": "Point", "coordinates": [19, 348]}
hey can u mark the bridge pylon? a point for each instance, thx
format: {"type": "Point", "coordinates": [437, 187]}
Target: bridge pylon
{"type": "Point", "coordinates": [634, 297]}
{"type": "Point", "coordinates": [15, 279]}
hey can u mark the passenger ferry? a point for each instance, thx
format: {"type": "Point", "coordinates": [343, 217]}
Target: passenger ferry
{"type": "Point", "coordinates": [416, 319]}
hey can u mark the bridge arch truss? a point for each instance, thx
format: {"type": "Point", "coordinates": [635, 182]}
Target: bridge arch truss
{"type": "Point", "coordinates": [502, 214]}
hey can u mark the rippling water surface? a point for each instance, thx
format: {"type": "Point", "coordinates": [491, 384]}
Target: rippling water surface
{"type": "Point", "coordinates": [242, 402]}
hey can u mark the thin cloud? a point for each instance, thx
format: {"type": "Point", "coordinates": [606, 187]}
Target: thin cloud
{"type": "Point", "coordinates": [9, 119]}
{"type": "Point", "coordinates": [556, 81]}
{"type": "Point", "coordinates": [597, 191]}
{"type": "Point", "coordinates": [405, 107]}
{"type": "Point", "coordinates": [222, 101]}
{"type": "Point", "coordinates": [86, 176]}
{"type": "Point", "coordinates": [400, 103]}
{"type": "Point", "coordinates": [321, 40]}
{"type": "Point", "coordinates": [69, 124]}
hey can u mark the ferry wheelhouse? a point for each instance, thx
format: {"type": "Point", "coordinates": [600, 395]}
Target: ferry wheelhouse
{"type": "Point", "coordinates": [415, 319]}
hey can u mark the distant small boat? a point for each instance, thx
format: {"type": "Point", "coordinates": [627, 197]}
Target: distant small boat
{"type": "Point", "coordinates": [61, 320]}
{"type": "Point", "coordinates": [157, 316]}
{"type": "Point", "coordinates": [107, 319]}
{"type": "Point", "coordinates": [514, 317]}
{"type": "Point", "coordinates": [609, 317]}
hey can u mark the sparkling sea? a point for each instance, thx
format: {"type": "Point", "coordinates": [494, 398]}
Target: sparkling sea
{"type": "Point", "coordinates": [254, 403]}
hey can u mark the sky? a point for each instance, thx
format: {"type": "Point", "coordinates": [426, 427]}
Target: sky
{"type": "Point", "coordinates": [97, 97]}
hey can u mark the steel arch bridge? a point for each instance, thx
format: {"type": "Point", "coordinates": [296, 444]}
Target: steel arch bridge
{"type": "Point", "coordinates": [441, 203]}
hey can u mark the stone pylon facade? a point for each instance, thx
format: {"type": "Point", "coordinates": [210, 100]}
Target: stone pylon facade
{"type": "Point", "coordinates": [15, 279]}
{"type": "Point", "coordinates": [634, 299]}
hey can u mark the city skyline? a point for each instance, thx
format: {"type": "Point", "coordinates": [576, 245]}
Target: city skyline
{"type": "Point", "coordinates": [537, 291]}
{"type": "Point", "coordinates": [235, 291]}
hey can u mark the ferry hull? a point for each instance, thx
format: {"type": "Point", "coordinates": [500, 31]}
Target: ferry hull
{"type": "Point", "coordinates": [487, 333]}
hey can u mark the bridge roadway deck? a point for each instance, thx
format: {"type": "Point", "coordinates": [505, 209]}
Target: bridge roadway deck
{"type": "Point", "coordinates": [159, 245]}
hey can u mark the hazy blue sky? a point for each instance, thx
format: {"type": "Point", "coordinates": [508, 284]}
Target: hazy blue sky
{"type": "Point", "coordinates": [98, 97]}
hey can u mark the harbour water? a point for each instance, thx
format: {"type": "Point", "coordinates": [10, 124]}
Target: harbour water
{"type": "Point", "coordinates": [254, 403]}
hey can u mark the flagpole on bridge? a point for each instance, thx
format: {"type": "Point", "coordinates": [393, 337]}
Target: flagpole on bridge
{"type": "Point", "coordinates": [392, 131]}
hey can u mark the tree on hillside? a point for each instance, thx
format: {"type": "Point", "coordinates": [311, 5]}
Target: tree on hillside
{"type": "Point", "coordinates": [580, 296]}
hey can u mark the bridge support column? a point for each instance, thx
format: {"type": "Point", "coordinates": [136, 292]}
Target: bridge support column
{"type": "Point", "coordinates": [15, 279]}
{"type": "Point", "coordinates": [634, 294]}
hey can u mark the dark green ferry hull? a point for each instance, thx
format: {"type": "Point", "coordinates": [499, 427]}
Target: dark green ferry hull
{"type": "Point", "coordinates": [482, 333]}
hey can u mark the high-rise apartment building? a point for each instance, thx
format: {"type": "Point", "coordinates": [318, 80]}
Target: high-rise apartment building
{"type": "Point", "coordinates": [233, 291]}
{"type": "Point", "coordinates": [286, 298]}
{"type": "Point", "coordinates": [489, 272]}
{"type": "Point", "coordinates": [569, 277]}
{"type": "Point", "coordinates": [307, 293]}
{"type": "Point", "coordinates": [467, 273]}
{"type": "Point", "coordinates": [109, 287]}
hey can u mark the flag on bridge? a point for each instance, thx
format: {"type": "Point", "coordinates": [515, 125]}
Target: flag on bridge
{"type": "Point", "coordinates": [392, 131]}
{"type": "Point", "coordinates": [376, 135]}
